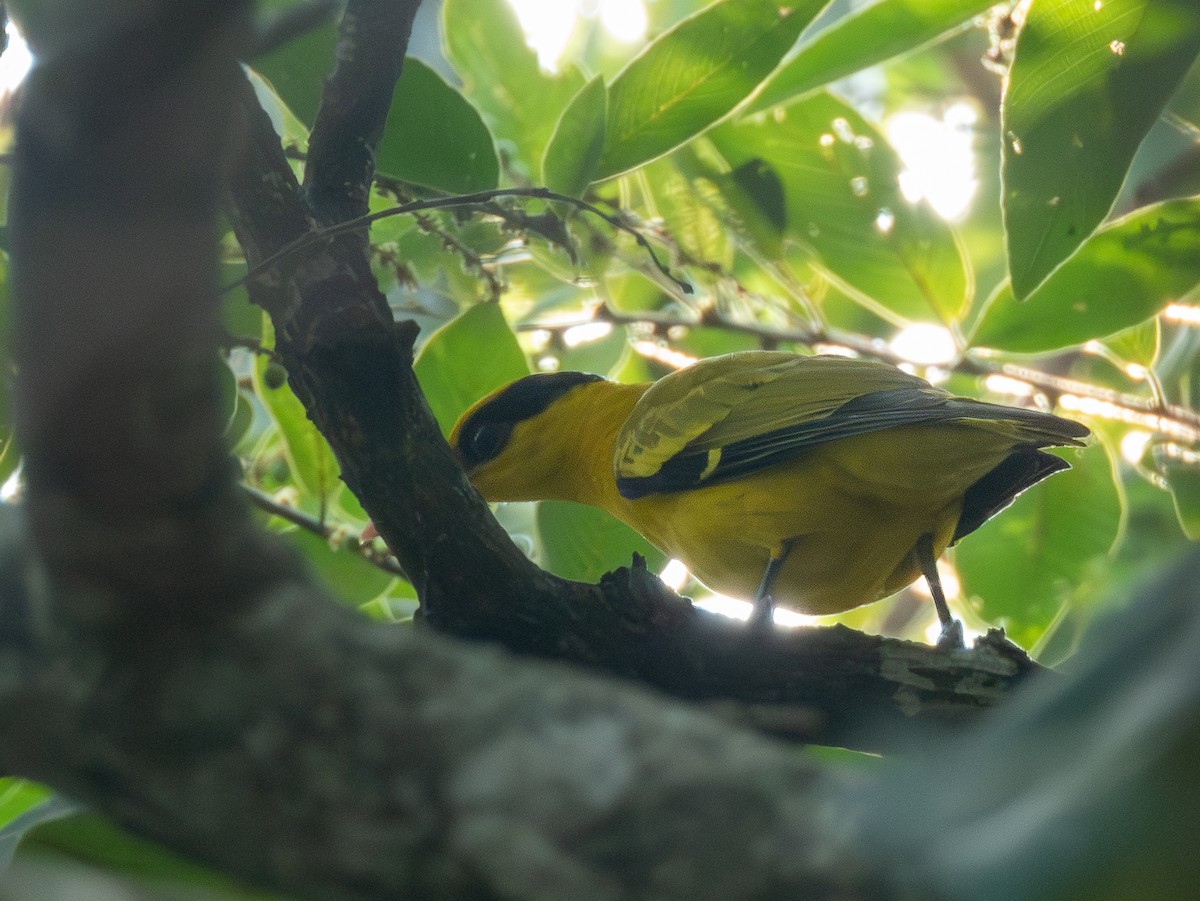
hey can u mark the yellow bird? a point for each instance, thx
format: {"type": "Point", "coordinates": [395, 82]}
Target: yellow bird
{"type": "Point", "coordinates": [820, 482]}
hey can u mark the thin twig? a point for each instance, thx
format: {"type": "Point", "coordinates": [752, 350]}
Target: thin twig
{"type": "Point", "coordinates": [1168, 419]}
{"type": "Point", "coordinates": [457, 201]}
{"type": "Point", "coordinates": [256, 347]}
{"type": "Point", "coordinates": [318, 527]}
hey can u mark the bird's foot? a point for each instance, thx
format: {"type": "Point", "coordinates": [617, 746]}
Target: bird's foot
{"type": "Point", "coordinates": [762, 617]}
{"type": "Point", "coordinates": [951, 638]}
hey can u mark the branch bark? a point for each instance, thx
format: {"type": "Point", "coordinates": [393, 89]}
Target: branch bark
{"type": "Point", "coordinates": [124, 435]}
{"type": "Point", "coordinates": [373, 38]}
{"type": "Point", "coordinates": [164, 662]}
{"type": "Point", "coordinates": [301, 747]}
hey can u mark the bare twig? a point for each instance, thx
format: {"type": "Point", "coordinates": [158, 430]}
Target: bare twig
{"type": "Point", "coordinates": [321, 529]}
{"type": "Point", "coordinates": [1171, 420]}
{"type": "Point", "coordinates": [458, 201]}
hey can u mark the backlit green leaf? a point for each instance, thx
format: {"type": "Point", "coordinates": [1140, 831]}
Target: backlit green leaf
{"type": "Point", "coordinates": [1026, 563]}
{"type": "Point", "coordinates": [24, 805]}
{"type": "Point", "coordinates": [691, 207]}
{"type": "Point", "coordinates": [481, 336]}
{"type": "Point", "coordinates": [352, 578]}
{"type": "Point", "coordinates": [1088, 81]}
{"type": "Point", "coordinates": [573, 155]}
{"type": "Point", "coordinates": [863, 38]}
{"type": "Point", "coordinates": [520, 102]}
{"type": "Point", "coordinates": [1124, 274]}
{"type": "Point", "coordinates": [1183, 481]}
{"type": "Point", "coordinates": [842, 202]}
{"type": "Point", "coordinates": [309, 457]}
{"type": "Point", "coordinates": [583, 543]}
{"type": "Point", "coordinates": [1139, 344]}
{"type": "Point", "coordinates": [434, 137]}
{"type": "Point", "coordinates": [693, 75]}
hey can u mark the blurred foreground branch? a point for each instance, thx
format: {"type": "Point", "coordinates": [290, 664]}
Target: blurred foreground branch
{"type": "Point", "coordinates": [168, 664]}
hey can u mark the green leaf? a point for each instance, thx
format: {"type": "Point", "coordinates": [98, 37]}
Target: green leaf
{"type": "Point", "coordinates": [1139, 344]}
{"type": "Point", "coordinates": [310, 459]}
{"type": "Point", "coordinates": [1183, 481]}
{"type": "Point", "coordinates": [1027, 562]}
{"type": "Point", "coordinates": [755, 193]}
{"type": "Point", "coordinates": [1088, 81]}
{"type": "Point", "coordinates": [714, 342]}
{"type": "Point", "coordinates": [466, 359]}
{"type": "Point", "coordinates": [18, 796]}
{"type": "Point", "coordinates": [434, 137]}
{"type": "Point", "coordinates": [297, 69]}
{"type": "Point", "coordinates": [863, 38]}
{"type": "Point", "coordinates": [239, 316]}
{"type": "Point", "coordinates": [520, 102]}
{"type": "Point", "coordinates": [695, 74]}
{"type": "Point", "coordinates": [573, 154]}
{"type": "Point", "coordinates": [93, 840]}
{"type": "Point", "coordinates": [694, 211]}
{"type": "Point", "coordinates": [842, 202]}
{"type": "Point", "coordinates": [1124, 274]}
{"type": "Point", "coordinates": [288, 126]}
{"type": "Point", "coordinates": [583, 543]}
{"type": "Point", "coordinates": [239, 423]}
{"type": "Point", "coordinates": [24, 805]}
{"type": "Point", "coordinates": [597, 356]}
{"type": "Point", "coordinates": [351, 577]}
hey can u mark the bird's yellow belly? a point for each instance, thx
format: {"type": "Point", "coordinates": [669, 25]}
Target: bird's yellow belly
{"type": "Point", "coordinates": [852, 511]}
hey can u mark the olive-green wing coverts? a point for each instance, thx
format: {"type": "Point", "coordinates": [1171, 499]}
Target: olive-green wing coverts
{"type": "Point", "coordinates": [727, 416]}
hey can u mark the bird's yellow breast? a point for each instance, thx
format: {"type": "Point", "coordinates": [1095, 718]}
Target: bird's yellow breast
{"type": "Point", "coordinates": [853, 510]}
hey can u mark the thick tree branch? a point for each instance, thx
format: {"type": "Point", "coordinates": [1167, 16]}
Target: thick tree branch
{"type": "Point", "coordinates": [192, 683]}
{"type": "Point", "coordinates": [352, 368]}
{"type": "Point", "coordinates": [267, 205]}
{"type": "Point", "coordinates": [121, 443]}
{"type": "Point", "coordinates": [354, 106]}
{"type": "Point", "coordinates": [302, 747]}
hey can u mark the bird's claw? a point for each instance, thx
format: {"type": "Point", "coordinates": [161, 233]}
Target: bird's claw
{"type": "Point", "coordinates": [951, 638]}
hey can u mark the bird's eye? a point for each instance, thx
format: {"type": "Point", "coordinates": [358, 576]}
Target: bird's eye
{"type": "Point", "coordinates": [485, 441]}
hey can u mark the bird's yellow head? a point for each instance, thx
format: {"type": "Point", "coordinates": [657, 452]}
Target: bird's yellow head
{"type": "Point", "coordinates": [505, 444]}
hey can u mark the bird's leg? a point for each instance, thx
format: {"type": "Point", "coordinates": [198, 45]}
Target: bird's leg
{"type": "Point", "coordinates": [763, 615]}
{"type": "Point", "coordinates": [952, 634]}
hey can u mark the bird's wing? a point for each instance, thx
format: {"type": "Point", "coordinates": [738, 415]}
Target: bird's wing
{"type": "Point", "coordinates": [729, 416]}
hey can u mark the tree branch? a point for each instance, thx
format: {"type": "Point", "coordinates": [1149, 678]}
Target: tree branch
{"type": "Point", "coordinates": [120, 443]}
{"type": "Point", "coordinates": [354, 107]}
{"type": "Point", "coordinates": [169, 665]}
{"type": "Point", "coordinates": [305, 748]}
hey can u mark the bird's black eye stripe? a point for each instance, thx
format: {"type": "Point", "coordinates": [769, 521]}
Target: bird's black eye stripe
{"type": "Point", "coordinates": [484, 435]}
